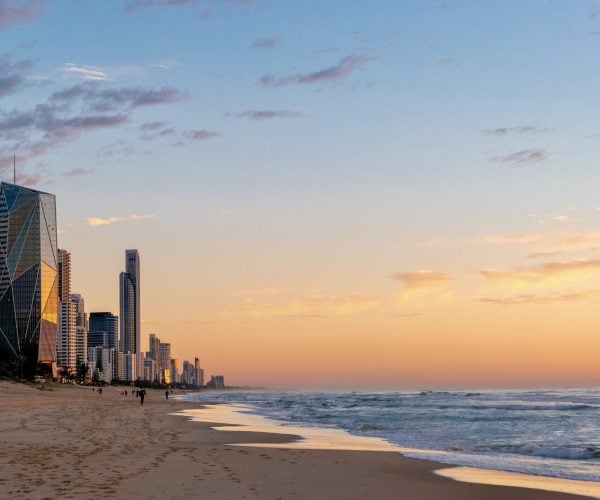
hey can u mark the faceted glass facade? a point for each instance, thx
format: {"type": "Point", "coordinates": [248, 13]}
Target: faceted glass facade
{"type": "Point", "coordinates": [28, 275]}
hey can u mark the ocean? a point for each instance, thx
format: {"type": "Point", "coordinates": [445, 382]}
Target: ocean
{"type": "Point", "coordinates": [544, 432]}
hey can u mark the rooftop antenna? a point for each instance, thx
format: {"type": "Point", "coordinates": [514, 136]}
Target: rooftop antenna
{"type": "Point", "coordinates": [14, 168]}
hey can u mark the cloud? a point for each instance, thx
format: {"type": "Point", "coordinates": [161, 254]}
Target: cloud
{"type": "Point", "coordinates": [68, 113]}
{"type": "Point", "coordinates": [512, 239]}
{"type": "Point", "coordinates": [100, 221]}
{"type": "Point", "coordinates": [152, 126]}
{"type": "Point", "coordinates": [446, 61]}
{"type": "Point", "coordinates": [105, 221]}
{"type": "Point", "coordinates": [77, 172]}
{"type": "Point", "coordinates": [12, 74]}
{"type": "Point", "coordinates": [87, 72]}
{"type": "Point", "coordinates": [523, 157]}
{"type": "Point", "coordinates": [505, 131]}
{"type": "Point", "coordinates": [539, 244]}
{"type": "Point", "coordinates": [422, 280]}
{"type": "Point", "coordinates": [15, 11]}
{"type": "Point", "coordinates": [313, 306]}
{"type": "Point", "coordinates": [528, 299]}
{"type": "Point", "coordinates": [550, 243]}
{"type": "Point", "coordinates": [267, 114]}
{"type": "Point", "coordinates": [548, 273]}
{"type": "Point", "coordinates": [200, 135]}
{"type": "Point", "coordinates": [99, 98]}
{"type": "Point", "coordinates": [594, 12]}
{"type": "Point", "coordinates": [344, 68]}
{"type": "Point", "coordinates": [137, 5]}
{"type": "Point", "coordinates": [267, 43]}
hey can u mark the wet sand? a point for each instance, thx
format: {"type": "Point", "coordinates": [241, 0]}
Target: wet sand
{"type": "Point", "coordinates": [70, 442]}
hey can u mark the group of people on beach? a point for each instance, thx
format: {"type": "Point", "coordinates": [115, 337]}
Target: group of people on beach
{"type": "Point", "coordinates": [139, 393]}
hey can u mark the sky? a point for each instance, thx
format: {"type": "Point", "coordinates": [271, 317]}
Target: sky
{"type": "Point", "coordinates": [338, 193]}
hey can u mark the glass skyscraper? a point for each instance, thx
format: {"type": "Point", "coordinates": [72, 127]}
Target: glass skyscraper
{"type": "Point", "coordinates": [129, 295]}
{"type": "Point", "coordinates": [28, 277]}
{"type": "Point", "coordinates": [102, 330]}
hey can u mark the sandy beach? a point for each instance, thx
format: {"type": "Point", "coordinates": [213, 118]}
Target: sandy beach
{"type": "Point", "coordinates": [71, 442]}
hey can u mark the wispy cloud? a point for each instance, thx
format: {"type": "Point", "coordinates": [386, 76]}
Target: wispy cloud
{"type": "Point", "coordinates": [87, 72]}
{"type": "Point", "coordinates": [594, 12]}
{"type": "Point", "coordinates": [342, 69]}
{"type": "Point", "coordinates": [137, 5]}
{"type": "Point", "coordinates": [266, 114]}
{"type": "Point", "coordinates": [446, 61]}
{"type": "Point", "coordinates": [539, 244]}
{"type": "Point", "coordinates": [152, 126]}
{"type": "Point", "coordinates": [523, 157]}
{"type": "Point", "coordinates": [68, 113]}
{"type": "Point", "coordinates": [544, 274]}
{"type": "Point", "coordinates": [315, 306]}
{"type": "Point", "coordinates": [19, 11]}
{"type": "Point", "coordinates": [529, 299]}
{"type": "Point", "coordinates": [200, 135]}
{"type": "Point", "coordinates": [100, 98]}
{"type": "Point", "coordinates": [78, 172]}
{"type": "Point", "coordinates": [522, 130]}
{"type": "Point", "coordinates": [12, 74]}
{"type": "Point", "coordinates": [422, 280]}
{"type": "Point", "coordinates": [106, 221]}
{"type": "Point", "coordinates": [267, 43]}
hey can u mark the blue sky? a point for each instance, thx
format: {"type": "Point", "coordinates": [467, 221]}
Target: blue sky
{"type": "Point", "coordinates": [315, 148]}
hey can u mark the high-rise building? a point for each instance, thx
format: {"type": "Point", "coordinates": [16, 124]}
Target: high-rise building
{"type": "Point", "coordinates": [154, 354]}
{"type": "Point", "coordinates": [129, 299]}
{"type": "Point", "coordinates": [198, 375]}
{"type": "Point", "coordinates": [64, 275]}
{"type": "Point", "coordinates": [165, 355]}
{"type": "Point", "coordinates": [81, 325]}
{"type": "Point", "coordinates": [175, 371]}
{"type": "Point", "coordinates": [66, 340]}
{"type": "Point", "coordinates": [103, 328]}
{"type": "Point", "coordinates": [102, 362]}
{"type": "Point", "coordinates": [66, 335]}
{"type": "Point", "coordinates": [28, 277]}
{"type": "Point", "coordinates": [127, 370]}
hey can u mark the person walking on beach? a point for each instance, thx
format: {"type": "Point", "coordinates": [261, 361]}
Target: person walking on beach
{"type": "Point", "coordinates": [167, 394]}
{"type": "Point", "coordinates": [142, 394]}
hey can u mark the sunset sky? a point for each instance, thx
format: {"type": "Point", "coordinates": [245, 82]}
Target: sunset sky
{"type": "Point", "coordinates": [332, 193]}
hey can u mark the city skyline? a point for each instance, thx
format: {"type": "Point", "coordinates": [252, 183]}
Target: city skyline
{"type": "Point", "coordinates": [319, 188]}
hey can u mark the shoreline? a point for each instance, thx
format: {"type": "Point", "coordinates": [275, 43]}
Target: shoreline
{"type": "Point", "coordinates": [70, 442]}
{"type": "Point", "coordinates": [240, 418]}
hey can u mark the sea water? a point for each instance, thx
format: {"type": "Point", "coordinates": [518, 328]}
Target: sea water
{"type": "Point", "coordinates": [545, 432]}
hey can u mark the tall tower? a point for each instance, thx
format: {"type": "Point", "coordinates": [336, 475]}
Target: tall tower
{"type": "Point", "coordinates": [81, 325]}
{"type": "Point", "coordinates": [129, 294]}
{"type": "Point", "coordinates": [154, 352]}
{"type": "Point", "coordinates": [28, 277]}
{"type": "Point", "coordinates": [64, 275]}
{"type": "Point", "coordinates": [66, 340]}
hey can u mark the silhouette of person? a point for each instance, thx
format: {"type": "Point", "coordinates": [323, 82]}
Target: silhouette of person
{"type": "Point", "coordinates": [142, 394]}
{"type": "Point", "coordinates": [166, 394]}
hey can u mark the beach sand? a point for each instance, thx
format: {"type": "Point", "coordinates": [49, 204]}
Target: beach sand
{"type": "Point", "coordinates": [70, 442]}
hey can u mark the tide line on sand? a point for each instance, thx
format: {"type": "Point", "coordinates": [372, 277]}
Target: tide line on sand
{"type": "Point", "coordinates": [236, 417]}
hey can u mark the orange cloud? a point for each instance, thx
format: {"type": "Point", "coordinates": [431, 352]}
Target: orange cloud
{"type": "Point", "coordinates": [315, 306]}
{"type": "Point", "coordinates": [424, 279]}
{"type": "Point", "coordinates": [527, 299]}
{"type": "Point", "coordinates": [544, 273]}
